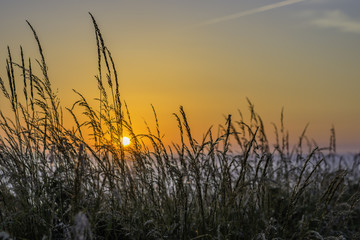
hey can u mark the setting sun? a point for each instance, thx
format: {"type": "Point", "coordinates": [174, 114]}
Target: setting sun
{"type": "Point", "coordinates": [126, 141]}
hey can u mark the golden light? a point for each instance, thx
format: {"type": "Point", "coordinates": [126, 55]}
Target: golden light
{"type": "Point", "coordinates": [126, 141]}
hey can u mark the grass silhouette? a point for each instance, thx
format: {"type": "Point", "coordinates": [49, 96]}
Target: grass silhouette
{"type": "Point", "coordinates": [57, 184]}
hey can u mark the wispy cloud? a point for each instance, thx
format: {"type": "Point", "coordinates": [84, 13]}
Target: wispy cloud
{"type": "Point", "coordinates": [248, 12]}
{"type": "Point", "coordinates": [337, 20]}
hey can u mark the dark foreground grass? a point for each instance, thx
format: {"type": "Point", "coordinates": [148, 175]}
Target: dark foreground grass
{"type": "Point", "coordinates": [55, 184]}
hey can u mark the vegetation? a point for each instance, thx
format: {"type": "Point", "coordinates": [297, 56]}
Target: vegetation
{"type": "Point", "coordinates": [55, 184]}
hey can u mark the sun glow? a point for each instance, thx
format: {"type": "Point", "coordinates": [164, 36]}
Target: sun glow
{"type": "Point", "coordinates": [126, 141]}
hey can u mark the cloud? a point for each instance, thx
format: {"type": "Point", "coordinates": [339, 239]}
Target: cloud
{"type": "Point", "coordinates": [248, 12]}
{"type": "Point", "coordinates": [337, 20]}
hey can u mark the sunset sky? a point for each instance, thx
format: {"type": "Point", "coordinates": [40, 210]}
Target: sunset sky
{"type": "Point", "coordinates": [207, 55]}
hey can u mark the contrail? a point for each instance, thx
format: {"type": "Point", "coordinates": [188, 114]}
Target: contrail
{"type": "Point", "coordinates": [247, 13]}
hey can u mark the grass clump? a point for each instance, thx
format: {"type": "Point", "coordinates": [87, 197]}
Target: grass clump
{"type": "Point", "coordinates": [55, 184]}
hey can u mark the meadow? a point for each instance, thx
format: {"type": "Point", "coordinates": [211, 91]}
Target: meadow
{"type": "Point", "coordinates": [83, 183]}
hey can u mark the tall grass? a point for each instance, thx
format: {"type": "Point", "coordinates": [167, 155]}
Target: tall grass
{"type": "Point", "coordinates": [57, 184]}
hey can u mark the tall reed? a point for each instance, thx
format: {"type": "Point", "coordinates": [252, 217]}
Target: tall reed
{"type": "Point", "coordinates": [59, 183]}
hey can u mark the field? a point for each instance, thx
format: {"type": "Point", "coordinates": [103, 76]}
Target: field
{"type": "Point", "coordinates": [61, 183]}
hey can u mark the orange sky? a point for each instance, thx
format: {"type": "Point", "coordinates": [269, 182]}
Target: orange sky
{"type": "Point", "coordinates": [208, 56]}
